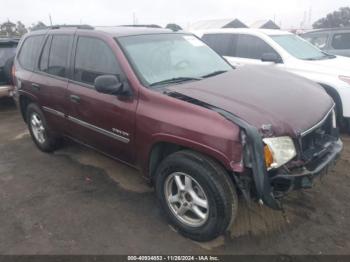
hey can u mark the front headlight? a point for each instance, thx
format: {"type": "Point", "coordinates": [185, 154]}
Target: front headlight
{"type": "Point", "coordinates": [278, 151]}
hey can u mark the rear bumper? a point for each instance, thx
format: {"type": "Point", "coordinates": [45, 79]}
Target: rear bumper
{"type": "Point", "coordinates": [6, 91]}
{"type": "Point", "coordinates": [302, 178]}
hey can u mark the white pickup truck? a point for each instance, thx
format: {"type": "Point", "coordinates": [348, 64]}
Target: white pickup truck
{"type": "Point", "coordinates": [286, 51]}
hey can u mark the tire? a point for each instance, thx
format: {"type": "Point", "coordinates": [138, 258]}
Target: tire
{"type": "Point", "coordinates": [348, 126]}
{"type": "Point", "coordinates": [209, 182]}
{"type": "Point", "coordinates": [43, 138]}
{"type": "Point", "coordinates": [8, 70]}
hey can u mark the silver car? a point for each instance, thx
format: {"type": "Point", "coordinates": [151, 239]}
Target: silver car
{"type": "Point", "coordinates": [334, 41]}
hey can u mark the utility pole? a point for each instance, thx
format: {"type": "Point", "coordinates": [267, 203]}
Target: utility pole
{"type": "Point", "coordinates": [134, 21]}
{"type": "Point", "coordinates": [50, 19]}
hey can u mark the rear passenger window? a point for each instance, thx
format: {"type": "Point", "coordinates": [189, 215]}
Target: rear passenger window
{"type": "Point", "coordinates": [223, 44]}
{"type": "Point", "coordinates": [93, 58]}
{"type": "Point", "coordinates": [252, 47]}
{"type": "Point", "coordinates": [58, 56]}
{"type": "Point", "coordinates": [341, 41]}
{"type": "Point", "coordinates": [28, 55]}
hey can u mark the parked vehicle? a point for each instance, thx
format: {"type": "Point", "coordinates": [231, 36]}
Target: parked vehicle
{"type": "Point", "coordinates": [334, 41]}
{"type": "Point", "coordinates": [288, 52]}
{"type": "Point", "coordinates": [168, 105]}
{"type": "Point", "coordinates": [7, 53]}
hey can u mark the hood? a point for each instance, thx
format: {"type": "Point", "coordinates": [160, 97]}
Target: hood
{"type": "Point", "coordinates": [263, 96]}
{"type": "Point", "coordinates": [336, 66]}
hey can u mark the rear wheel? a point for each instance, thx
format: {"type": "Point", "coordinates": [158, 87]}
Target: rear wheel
{"type": "Point", "coordinates": [8, 70]}
{"type": "Point", "coordinates": [348, 125]}
{"type": "Point", "coordinates": [196, 194]}
{"type": "Point", "coordinates": [44, 139]}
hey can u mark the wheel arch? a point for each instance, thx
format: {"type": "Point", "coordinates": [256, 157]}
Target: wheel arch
{"type": "Point", "coordinates": [160, 149]}
{"type": "Point", "coordinates": [332, 92]}
{"type": "Point", "coordinates": [24, 100]}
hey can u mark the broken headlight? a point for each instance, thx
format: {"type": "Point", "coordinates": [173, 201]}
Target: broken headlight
{"type": "Point", "coordinates": [278, 151]}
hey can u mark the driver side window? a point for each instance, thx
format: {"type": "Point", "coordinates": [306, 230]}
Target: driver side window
{"type": "Point", "coordinates": [94, 58]}
{"type": "Point", "coordinates": [252, 47]}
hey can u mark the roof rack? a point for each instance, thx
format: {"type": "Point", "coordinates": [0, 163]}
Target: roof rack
{"type": "Point", "coordinates": [146, 25]}
{"type": "Point", "coordinates": [88, 27]}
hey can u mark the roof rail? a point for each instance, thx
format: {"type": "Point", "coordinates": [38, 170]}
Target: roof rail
{"type": "Point", "coordinates": [88, 27]}
{"type": "Point", "coordinates": [146, 25]}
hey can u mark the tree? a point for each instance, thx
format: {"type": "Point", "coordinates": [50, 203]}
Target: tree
{"type": "Point", "coordinates": [37, 26]}
{"type": "Point", "coordinates": [21, 28]}
{"type": "Point", "coordinates": [8, 28]}
{"type": "Point", "coordinates": [340, 18]}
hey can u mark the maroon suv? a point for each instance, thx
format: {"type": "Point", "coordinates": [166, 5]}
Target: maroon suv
{"type": "Point", "coordinates": [168, 105]}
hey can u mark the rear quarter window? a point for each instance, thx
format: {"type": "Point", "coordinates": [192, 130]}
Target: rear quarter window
{"type": "Point", "coordinates": [29, 52]}
{"type": "Point", "coordinates": [341, 41]}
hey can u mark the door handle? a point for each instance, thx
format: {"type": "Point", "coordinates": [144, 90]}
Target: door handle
{"type": "Point", "coordinates": [36, 87]}
{"type": "Point", "coordinates": [74, 98]}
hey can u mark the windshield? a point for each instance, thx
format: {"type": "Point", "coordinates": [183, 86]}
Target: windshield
{"type": "Point", "coordinates": [171, 58]}
{"type": "Point", "coordinates": [300, 48]}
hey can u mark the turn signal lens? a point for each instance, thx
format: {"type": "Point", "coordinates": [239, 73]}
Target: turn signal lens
{"type": "Point", "coordinates": [268, 156]}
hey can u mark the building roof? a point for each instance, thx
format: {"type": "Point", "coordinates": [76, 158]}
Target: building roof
{"type": "Point", "coordinates": [265, 24]}
{"type": "Point", "coordinates": [217, 23]}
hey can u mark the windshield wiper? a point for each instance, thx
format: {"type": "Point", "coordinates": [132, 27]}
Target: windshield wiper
{"type": "Point", "coordinates": [325, 56]}
{"type": "Point", "coordinates": [215, 73]}
{"type": "Point", "coordinates": [175, 80]}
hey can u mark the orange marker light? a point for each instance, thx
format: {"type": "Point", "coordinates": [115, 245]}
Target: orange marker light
{"type": "Point", "coordinates": [268, 156]}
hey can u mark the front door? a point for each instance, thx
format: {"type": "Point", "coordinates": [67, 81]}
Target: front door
{"type": "Point", "coordinates": [250, 50]}
{"type": "Point", "coordinates": [105, 122]}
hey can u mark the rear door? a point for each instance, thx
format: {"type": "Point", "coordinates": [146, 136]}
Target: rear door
{"type": "Point", "coordinates": [105, 122]}
{"type": "Point", "coordinates": [50, 79]}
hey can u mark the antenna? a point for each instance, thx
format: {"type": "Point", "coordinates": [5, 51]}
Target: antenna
{"type": "Point", "coordinates": [50, 19]}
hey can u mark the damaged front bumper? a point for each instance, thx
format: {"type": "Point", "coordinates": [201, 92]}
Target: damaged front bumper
{"type": "Point", "coordinates": [286, 180]}
{"type": "Point", "coordinates": [268, 185]}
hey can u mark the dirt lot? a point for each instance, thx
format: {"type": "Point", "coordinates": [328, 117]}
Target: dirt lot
{"type": "Point", "coordinates": [76, 201]}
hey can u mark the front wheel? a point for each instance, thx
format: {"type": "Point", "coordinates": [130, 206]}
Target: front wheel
{"type": "Point", "coordinates": [196, 194]}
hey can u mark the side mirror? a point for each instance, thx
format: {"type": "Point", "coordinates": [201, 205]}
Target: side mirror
{"type": "Point", "coordinates": [109, 84]}
{"type": "Point", "coordinates": [271, 57]}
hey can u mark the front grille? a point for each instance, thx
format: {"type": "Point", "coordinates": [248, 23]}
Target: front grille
{"type": "Point", "coordinates": [314, 143]}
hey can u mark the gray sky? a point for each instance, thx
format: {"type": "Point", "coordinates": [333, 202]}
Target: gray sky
{"type": "Point", "coordinates": [113, 12]}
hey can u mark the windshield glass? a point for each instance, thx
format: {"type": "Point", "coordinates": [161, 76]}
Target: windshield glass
{"type": "Point", "coordinates": [299, 47]}
{"type": "Point", "coordinates": [167, 58]}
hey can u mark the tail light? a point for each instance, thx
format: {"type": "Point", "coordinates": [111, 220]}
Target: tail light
{"type": "Point", "coordinates": [13, 74]}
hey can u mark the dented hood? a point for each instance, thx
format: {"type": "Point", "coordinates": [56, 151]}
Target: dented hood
{"type": "Point", "coordinates": [263, 96]}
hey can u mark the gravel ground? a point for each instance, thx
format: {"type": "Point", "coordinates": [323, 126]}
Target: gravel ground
{"type": "Point", "coordinates": [77, 201]}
